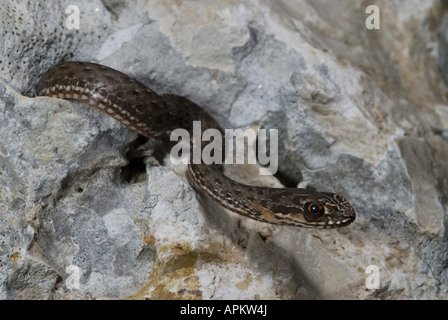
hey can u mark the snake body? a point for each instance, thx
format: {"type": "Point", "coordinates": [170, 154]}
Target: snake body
{"type": "Point", "coordinates": [141, 109]}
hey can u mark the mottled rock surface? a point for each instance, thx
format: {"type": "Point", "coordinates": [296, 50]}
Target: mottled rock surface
{"type": "Point", "coordinates": [89, 210]}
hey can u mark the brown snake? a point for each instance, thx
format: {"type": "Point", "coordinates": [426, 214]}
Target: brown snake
{"type": "Point", "coordinates": [139, 108]}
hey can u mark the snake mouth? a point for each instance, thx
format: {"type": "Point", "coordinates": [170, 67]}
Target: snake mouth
{"type": "Point", "coordinates": [330, 222]}
{"type": "Point", "coordinates": [340, 222]}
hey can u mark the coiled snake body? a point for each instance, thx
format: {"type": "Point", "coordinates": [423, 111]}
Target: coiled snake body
{"type": "Point", "coordinates": [139, 108]}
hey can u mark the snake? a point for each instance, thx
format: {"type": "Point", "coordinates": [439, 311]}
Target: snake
{"type": "Point", "coordinates": [141, 109]}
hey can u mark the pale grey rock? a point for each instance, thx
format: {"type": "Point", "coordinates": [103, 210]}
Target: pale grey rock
{"type": "Point", "coordinates": [361, 112]}
{"type": "Point", "coordinates": [34, 35]}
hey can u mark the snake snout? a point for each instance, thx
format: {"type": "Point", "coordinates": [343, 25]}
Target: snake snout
{"type": "Point", "coordinates": [341, 217]}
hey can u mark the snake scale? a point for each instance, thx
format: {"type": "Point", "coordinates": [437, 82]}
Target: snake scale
{"type": "Point", "coordinates": [141, 109]}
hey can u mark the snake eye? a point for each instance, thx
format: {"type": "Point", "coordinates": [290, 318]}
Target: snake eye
{"type": "Point", "coordinates": [313, 208]}
{"type": "Point", "coordinates": [313, 212]}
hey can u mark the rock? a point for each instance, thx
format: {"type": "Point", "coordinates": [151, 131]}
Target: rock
{"type": "Point", "coordinates": [92, 211]}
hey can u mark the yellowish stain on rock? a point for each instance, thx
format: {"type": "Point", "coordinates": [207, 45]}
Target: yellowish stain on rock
{"type": "Point", "coordinates": [244, 284]}
{"type": "Point", "coordinates": [15, 257]}
{"type": "Point", "coordinates": [173, 276]}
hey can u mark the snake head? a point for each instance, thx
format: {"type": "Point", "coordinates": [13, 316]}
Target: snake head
{"type": "Point", "coordinates": [304, 208]}
{"type": "Point", "coordinates": [327, 210]}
